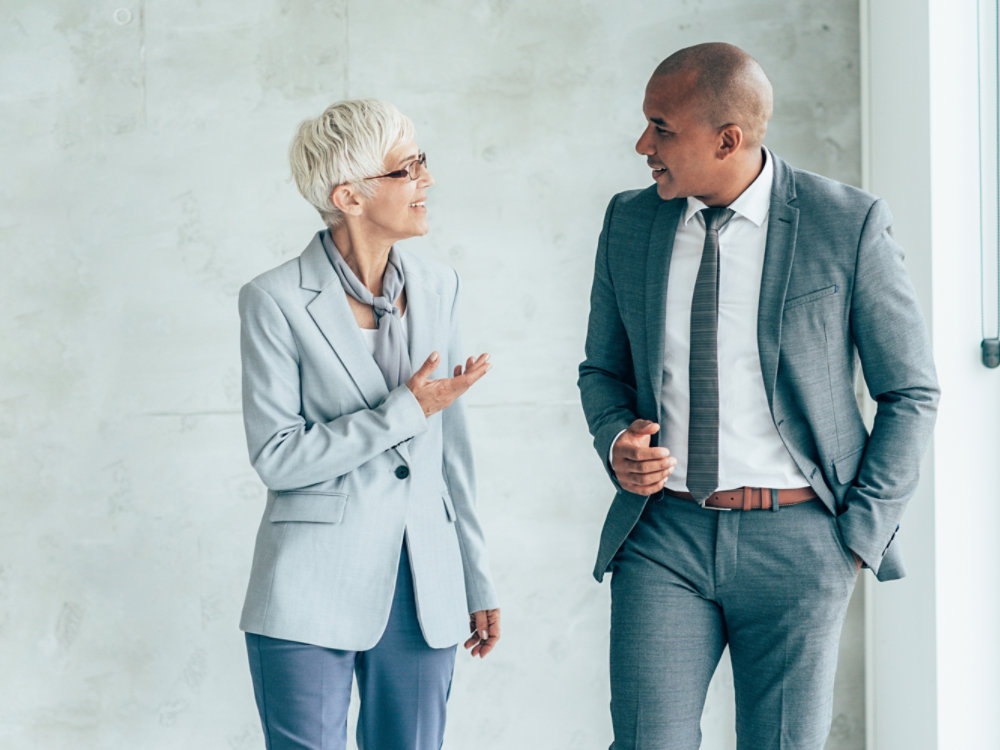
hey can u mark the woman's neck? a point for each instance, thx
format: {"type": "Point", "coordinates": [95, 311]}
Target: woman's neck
{"type": "Point", "coordinates": [364, 255]}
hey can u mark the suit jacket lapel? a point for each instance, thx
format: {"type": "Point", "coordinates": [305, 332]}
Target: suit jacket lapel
{"type": "Point", "coordinates": [782, 228]}
{"type": "Point", "coordinates": [332, 314]}
{"type": "Point", "coordinates": [661, 245]}
{"type": "Point", "coordinates": [422, 304]}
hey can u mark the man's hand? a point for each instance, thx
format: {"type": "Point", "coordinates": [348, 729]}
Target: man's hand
{"type": "Point", "coordinates": [435, 395]}
{"type": "Point", "coordinates": [485, 627]}
{"type": "Point", "coordinates": [638, 467]}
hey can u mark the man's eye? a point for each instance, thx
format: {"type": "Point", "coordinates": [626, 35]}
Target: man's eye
{"type": "Point", "coordinates": [661, 131]}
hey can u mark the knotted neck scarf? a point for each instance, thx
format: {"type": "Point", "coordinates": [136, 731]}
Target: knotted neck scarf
{"type": "Point", "coordinates": [391, 354]}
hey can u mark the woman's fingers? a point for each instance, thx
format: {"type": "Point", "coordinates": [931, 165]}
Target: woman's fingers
{"type": "Point", "coordinates": [426, 368]}
{"type": "Point", "coordinates": [485, 625]}
{"type": "Point", "coordinates": [435, 395]}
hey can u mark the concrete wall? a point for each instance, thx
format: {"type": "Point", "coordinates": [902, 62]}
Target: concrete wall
{"type": "Point", "coordinates": [145, 179]}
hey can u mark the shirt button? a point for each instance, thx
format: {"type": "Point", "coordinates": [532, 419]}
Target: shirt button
{"type": "Point", "coordinates": [402, 472]}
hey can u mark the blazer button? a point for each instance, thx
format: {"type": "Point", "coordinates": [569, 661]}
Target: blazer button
{"type": "Point", "coordinates": [402, 472]}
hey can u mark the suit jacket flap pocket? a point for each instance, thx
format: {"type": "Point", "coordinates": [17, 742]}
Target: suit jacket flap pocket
{"type": "Point", "coordinates": [308, 507]}
{"type": "Point", "coordinates": [449, 507]}
{"type": "Point", "coordinates": [846, 467]}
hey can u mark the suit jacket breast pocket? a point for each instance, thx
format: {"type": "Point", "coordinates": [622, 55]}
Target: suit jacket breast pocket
{"type": "Point", "coordinates": [805, 299]}
{"type": "Point", "coordinates": [308, 507]}
{"type": "Point", "coordinates": [812, 326]}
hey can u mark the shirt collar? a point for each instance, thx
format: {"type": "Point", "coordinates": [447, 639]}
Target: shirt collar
{"type": "Point", "coordinates": [753, 203]}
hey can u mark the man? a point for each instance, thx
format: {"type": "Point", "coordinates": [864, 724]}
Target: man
{"type": "Point", "coordinates": [719, 387]}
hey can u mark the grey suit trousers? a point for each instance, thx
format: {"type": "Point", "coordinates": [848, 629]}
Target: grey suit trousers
{"type": "Point", "coordinates": [773, 585]}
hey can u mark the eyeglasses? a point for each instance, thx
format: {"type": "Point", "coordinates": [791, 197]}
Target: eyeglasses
{"type": "Point", "coordinates": [411, 170]}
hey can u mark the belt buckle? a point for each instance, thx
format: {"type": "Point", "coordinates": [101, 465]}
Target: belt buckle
{"type": "Point", "coordinates": [711, 507]}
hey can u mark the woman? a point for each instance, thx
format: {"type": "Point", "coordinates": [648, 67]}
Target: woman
{"type": "Point", "coordinates": [369, 557]}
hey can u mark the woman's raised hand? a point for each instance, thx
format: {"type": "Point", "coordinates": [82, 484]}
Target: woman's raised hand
{"type": "Point", "coordinates": [435, 395]}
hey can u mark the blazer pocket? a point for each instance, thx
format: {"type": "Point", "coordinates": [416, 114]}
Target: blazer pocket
{"type": "Point", "coordinates": [308, 507]}
{"type": "Point", "coordinates": [846, 467]}
{"type": "Point", "coordinates": [804, 299]}
{"type": "Point", "coordinates": [449, 507]}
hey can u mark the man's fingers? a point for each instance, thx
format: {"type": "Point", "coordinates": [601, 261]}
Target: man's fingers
{"type": "Point", "coordinates": [639, 438]}
{"type": "Point", "coordinates": [645, 483]}
{"type": "Point", "coordinates": [643, 489]}
{"type": "Point", "coordinates": [642, 468]}
{"type": "Point", "coordinates": [650, 483]}
{"type": "Point", "coordinates": [643, 427]}
{"type": "Point", "coordinates": [639, 453]}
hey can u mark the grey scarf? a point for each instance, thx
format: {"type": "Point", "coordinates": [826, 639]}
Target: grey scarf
{"type": "Point", "coordinates": [391, 355]}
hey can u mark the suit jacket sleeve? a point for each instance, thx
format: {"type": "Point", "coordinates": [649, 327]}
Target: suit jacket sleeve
{"type": "Point", "coordinates": [287, 452]}
{"type": "Point", "coordinates": [895, 353]}
{"type": "Point", "coordinates": [460, 480]}
{"type": "Point", "coordinates": [607, 374]}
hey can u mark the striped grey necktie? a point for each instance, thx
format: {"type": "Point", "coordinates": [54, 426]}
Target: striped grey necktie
{"type": "Point", "coordinates": [703, 372]}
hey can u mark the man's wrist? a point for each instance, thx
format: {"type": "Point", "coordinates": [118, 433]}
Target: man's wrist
{"type": "Point", "coordinates": [611, 450]}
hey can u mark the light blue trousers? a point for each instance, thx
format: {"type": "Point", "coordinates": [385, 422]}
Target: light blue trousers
{"type": "Point", "coordinates": [303, 691]}
{"type": "Point", "coordinates": [773, 585]}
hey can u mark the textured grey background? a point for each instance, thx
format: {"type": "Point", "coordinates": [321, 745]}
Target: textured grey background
{"type": "Point", "coordinates": [143, 155]}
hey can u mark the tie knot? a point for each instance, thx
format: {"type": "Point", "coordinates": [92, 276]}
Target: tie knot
{"type": "Point", "coordinates": [716, 217]}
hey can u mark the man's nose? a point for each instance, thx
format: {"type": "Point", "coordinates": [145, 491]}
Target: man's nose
{"type": "Point", "coordinates": [644, 145]}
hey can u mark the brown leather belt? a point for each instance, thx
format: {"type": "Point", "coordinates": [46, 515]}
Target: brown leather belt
{"type": "Point", "coordinates": [750, 498]}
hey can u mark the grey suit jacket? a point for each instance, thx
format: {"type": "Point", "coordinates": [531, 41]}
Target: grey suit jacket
{"type": "Point", "coordinates": [834, 292]}
{"type": "Point", "coordinates": [350, 465]}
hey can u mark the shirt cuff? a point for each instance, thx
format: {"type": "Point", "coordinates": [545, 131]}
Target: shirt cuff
{"type": "Point", "coordinates": [611, 450]}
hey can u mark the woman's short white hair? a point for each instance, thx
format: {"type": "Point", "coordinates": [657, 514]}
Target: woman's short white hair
{"type": "Point", "coordinates": [347, 143]}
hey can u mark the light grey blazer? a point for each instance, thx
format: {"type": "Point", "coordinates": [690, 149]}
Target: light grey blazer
{"type": "Point", "coordinates": [834, 293]}
{"type": "Point", "coordinates": [350, 466]}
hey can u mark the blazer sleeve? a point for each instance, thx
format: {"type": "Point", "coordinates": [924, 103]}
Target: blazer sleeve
{"type": "Point", "coordinates": [459, 476]}
{"type": "Point", "coordinates": [607, 374]}
{"type": "Point", "coordinates": [286, 451]}
{"type": "Point", "coordinates": [896, 361]}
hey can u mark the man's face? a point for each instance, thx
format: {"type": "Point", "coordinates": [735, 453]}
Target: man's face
{"type": "Point", "coordinates": [678, 144]}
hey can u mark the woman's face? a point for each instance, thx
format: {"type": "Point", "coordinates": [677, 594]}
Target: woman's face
{"type": "Point", "coordinates": [398, 210]}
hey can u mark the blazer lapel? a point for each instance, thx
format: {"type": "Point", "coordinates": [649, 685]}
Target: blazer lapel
{"type": "Point", "coordinates": [422, 304]}
{"type": "Point", "coordinates": [779, 253]}
{"type": "Point", "coordinates": [661, 245]}
{"type": "Point", "coordinates": [333, 316]}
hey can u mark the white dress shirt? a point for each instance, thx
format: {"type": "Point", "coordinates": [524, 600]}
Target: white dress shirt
{"type": "Point", "coordinates": [751, 453]}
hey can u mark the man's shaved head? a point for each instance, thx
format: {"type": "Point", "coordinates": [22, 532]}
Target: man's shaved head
{"type": "Point", "coordinates": [730, 86]}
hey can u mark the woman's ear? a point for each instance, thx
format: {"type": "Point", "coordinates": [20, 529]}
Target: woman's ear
{"type": "Point", "coordinates": [346, 200]}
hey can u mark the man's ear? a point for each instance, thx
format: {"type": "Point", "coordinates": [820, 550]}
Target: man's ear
{"type": "Point", "coordinates": [346, 200]}
{"type": "Point", "coordinates": [730, 140]}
